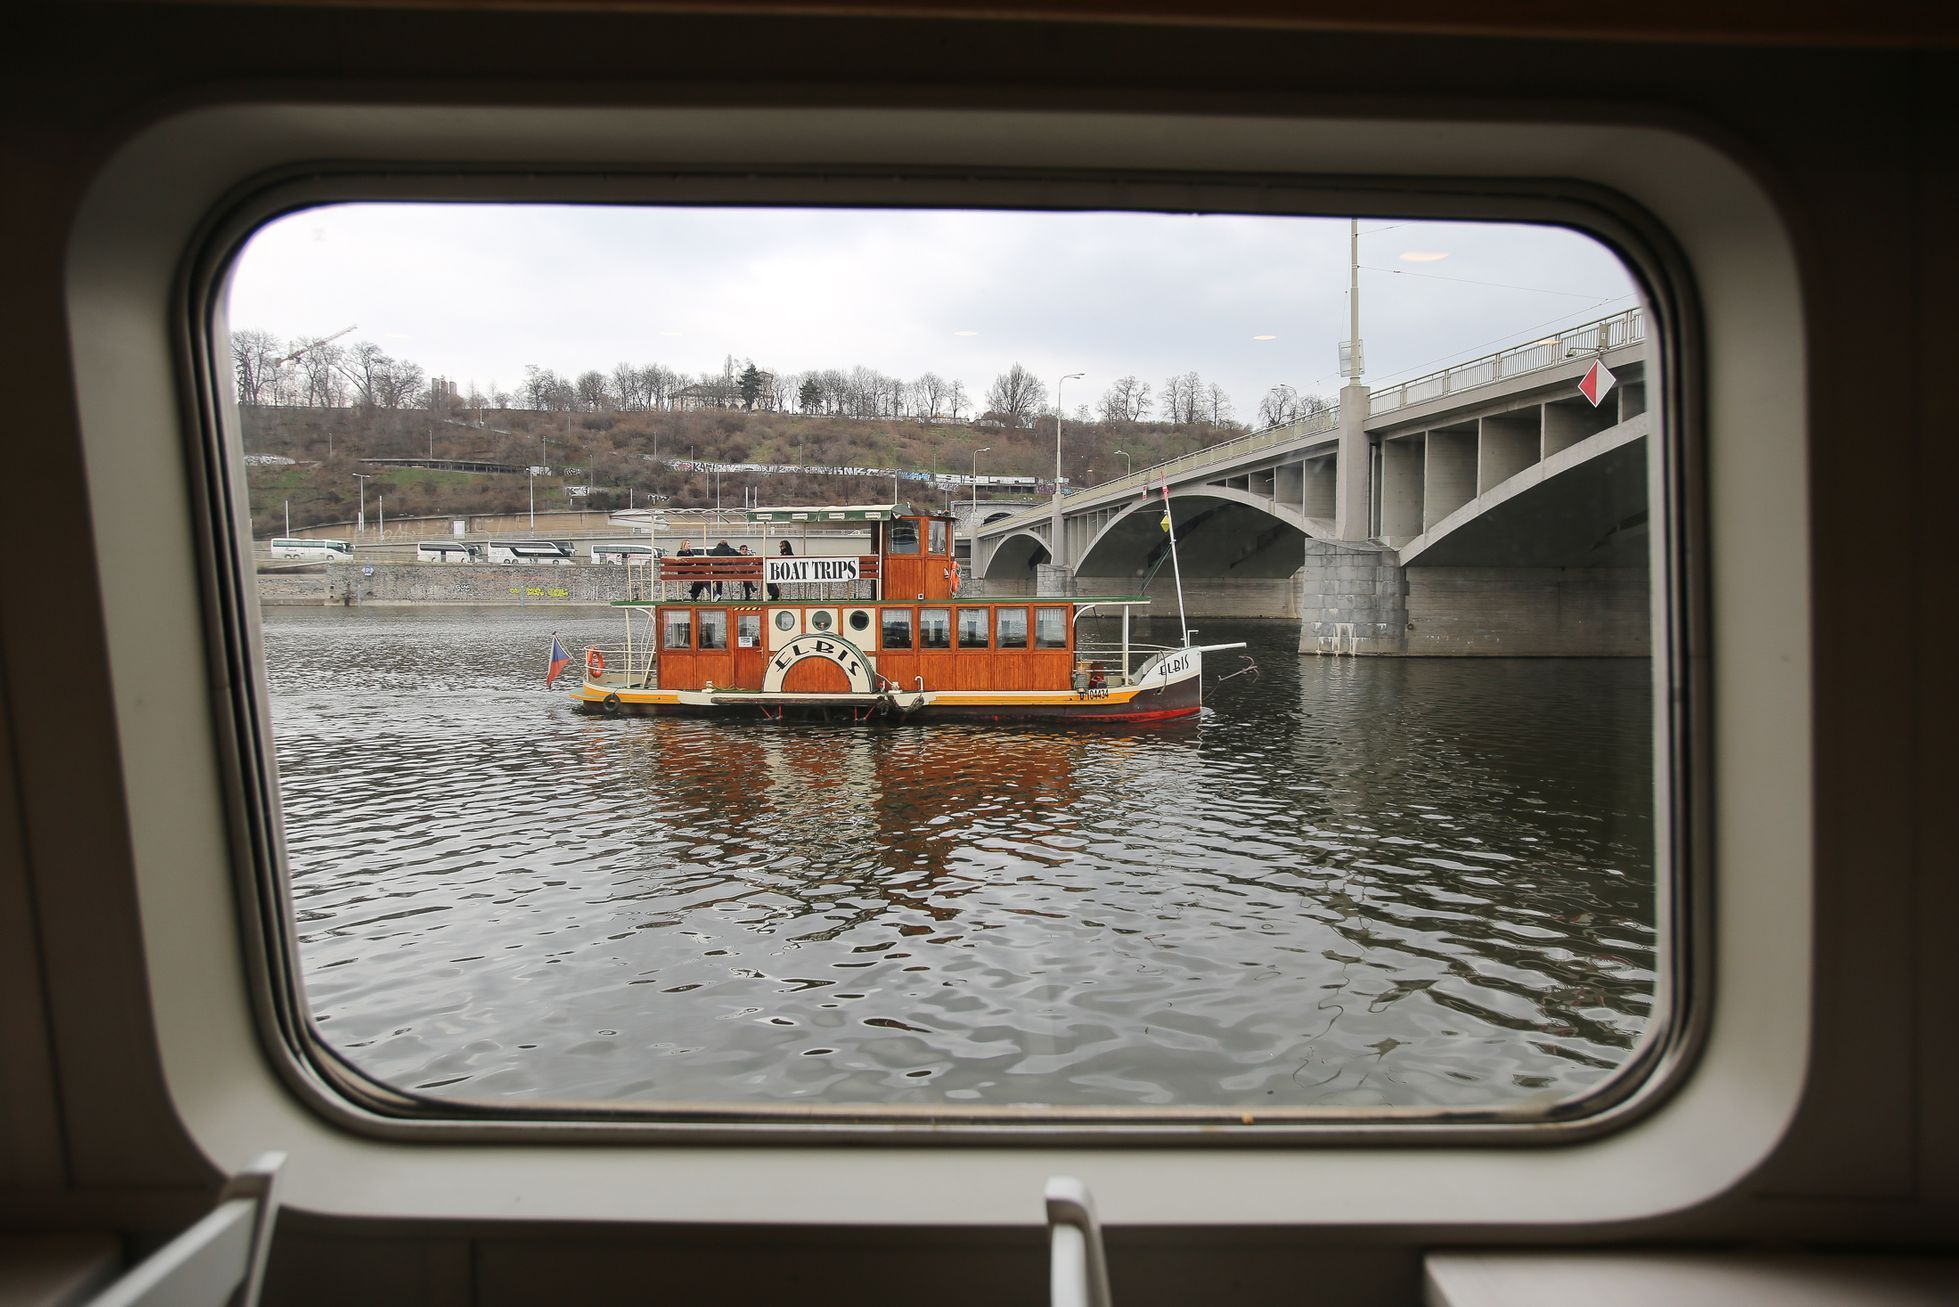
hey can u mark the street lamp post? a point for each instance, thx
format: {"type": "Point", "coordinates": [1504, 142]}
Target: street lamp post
{"type": "Point", "coordinates": [983, 449]}
{"type": "Point", "coordinates": [360, 523]}
{"type": "Point", "coordinates": [1128, 463]}
{"type": "Point", "coordinates": [1056, 547]}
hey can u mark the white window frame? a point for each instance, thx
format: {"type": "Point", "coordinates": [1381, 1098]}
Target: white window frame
{"type": "Point", "coordinates": [1694, 1129]}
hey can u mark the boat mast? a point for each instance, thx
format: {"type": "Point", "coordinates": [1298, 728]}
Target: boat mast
{"type": "Point", "coordinates": [1176, 568]}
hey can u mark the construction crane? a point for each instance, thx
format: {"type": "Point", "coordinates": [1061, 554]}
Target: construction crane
{"type": "Point", "coordinates": [315, 344]}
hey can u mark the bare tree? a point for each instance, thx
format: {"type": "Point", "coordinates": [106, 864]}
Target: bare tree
{"type": "Point", "coordinates": [1216, 405]}
{"type": "Point", "coordinates": [255, 357]}
{"type": "Point", "coordinates": [1128, 400]}
{"type": "Point", "coordinates": [325, 379]}
{"type": "Point", "coordinates": [1183, 398]}
{"type": "Point", "coordinates": [1280, 406]}
{"type": "Point", "coordinates": [629, 387]}
{"type": "Point", "coordinates": [400, 384]}
{"type": "Point", "coordinates": [539, 386]}
{"type": "Point", "coordinates": [1283, 404]}
{"type": "Point", "coordinates": [593, 392]}
{"type": "Point", "coordinates": [931, 392]}
{"type": "Point", "coordinates": [1016, 395]}
{"type": "Point", "coordinates": [957, 400]}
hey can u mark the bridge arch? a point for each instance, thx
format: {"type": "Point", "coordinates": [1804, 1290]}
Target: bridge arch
{"type": "Point", "coordinates": [1015, 555]}
{"type": "Point", "coordinates": [1129, 541]}
{"type": "Point", "coordinates": [1583, 507]}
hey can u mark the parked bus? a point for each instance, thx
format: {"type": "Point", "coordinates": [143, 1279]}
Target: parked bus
{"type": "Point", "coordinates": [446, 551]}
{"type": "Point", "coordinates": [624, 553]}
{"type": "Point", "coordinates": [531, 551]}
{"type": "Point", "coordinates": [332, 551]}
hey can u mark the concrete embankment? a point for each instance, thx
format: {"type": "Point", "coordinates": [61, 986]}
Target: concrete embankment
{"type": "Point", "coordinates": [444, 583]}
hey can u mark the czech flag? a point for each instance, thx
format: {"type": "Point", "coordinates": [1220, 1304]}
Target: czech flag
{"type": "Point", "coordinates": [559, 661]}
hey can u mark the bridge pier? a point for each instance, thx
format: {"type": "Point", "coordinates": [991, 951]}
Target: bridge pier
{"type": "Point", "coordinates": [1051, 580]}
{"type": "Point", "coordinates": [1356, 599]}
{"type": "Point", "coordinates": [1352, 599]}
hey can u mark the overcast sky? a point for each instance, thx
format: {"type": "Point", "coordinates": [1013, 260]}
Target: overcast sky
{"type": "Point", "coordinates": [476, 292]}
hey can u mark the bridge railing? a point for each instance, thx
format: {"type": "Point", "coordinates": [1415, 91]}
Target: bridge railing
{"type": "Point", "coordinates": [1607, 333]}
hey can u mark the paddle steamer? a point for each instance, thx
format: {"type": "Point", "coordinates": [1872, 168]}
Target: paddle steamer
{"type": "Point", "coordinates": [880, 634]}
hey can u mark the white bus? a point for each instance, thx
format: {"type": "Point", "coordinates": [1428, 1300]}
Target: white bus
{"type": "Point", "coordinates": [332, 551]}
{"type": "Point", "coordinates": [623, 554]}
{"type": "Point", "coordinates": [446, 551]}
{"type": "Point", "coordinates": [553, 552]}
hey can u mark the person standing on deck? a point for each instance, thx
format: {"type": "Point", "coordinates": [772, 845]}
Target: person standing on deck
{"type": "Point", "coordinates": [693, 591]}
{"type": "Point", "coordinates": [775, 591]}
{"type": "Point", "coordinates": [747, 586]}
{"type": "Point", "coordinates": [721, 549]}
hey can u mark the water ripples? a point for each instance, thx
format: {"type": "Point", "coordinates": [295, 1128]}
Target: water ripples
{"type": "Point", "coordinates": [1354, 882]}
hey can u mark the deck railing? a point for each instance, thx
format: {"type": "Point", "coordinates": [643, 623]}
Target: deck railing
{"type": "Point", "coordinates": [736, 577]}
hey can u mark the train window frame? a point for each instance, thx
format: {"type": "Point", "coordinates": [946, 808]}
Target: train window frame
{"type": "Point", "coordinates": [1721, 275]}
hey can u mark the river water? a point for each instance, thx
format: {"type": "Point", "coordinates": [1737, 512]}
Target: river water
{"type": "Point", "coordinates": [1352, 882]}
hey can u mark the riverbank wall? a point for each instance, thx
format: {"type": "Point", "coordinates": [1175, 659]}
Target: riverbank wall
{"type": "Point", "coordinates": [351, 584]}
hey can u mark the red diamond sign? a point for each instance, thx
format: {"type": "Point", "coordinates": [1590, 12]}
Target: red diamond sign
{"type": "Point", "coordinates": [1598, 380]}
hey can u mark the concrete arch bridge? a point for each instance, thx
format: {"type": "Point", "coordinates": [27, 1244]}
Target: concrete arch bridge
{"type": "Point", "coordinates": [1490, 509]}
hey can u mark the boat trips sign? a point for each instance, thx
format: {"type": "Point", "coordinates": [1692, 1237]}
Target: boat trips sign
{"type": "Point", "coordinates": [808, 571]}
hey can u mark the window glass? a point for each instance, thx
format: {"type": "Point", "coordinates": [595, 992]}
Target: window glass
{"type": "Point", "coordinates": [972, 628]}
{"type": "Point", "coordinates": [1050, 628]}
{"type": "Point", "coordinates": [860, 620]}
{"type": "Point", "coordinates": [1419, 878]}
{"type": "Point", "coordinates": [1010, 626]}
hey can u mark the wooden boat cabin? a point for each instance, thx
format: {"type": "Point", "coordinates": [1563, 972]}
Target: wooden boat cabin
{"type": "Point", "coordinates": [721, 620]}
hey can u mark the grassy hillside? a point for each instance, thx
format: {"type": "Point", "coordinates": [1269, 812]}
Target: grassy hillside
{"type": "Point", "coordinates": [629, 456]}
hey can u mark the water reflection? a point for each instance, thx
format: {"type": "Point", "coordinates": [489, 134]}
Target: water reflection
{"type": "Point", "coordinates": [1354, 882]}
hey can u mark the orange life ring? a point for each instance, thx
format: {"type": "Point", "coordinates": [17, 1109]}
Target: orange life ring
{"type": "Point", "coordinates": [594, 663]}
{"type": "Point", "coordinates": [955, 580]}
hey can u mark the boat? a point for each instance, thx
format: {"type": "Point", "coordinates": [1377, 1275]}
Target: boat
{"type": "Point", "coordinates": [878, 634]}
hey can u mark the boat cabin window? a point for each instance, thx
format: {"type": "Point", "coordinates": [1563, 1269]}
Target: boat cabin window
{"type": "Point", "coordinates": [785, 619]}
{"type": "Point", "coordinates": [677, 628]}
{"type": "Point", "coordinates": [935, 628]}
{"type": "Point", "coordinates": [941, 537]}
{"type": "Point", "coordinates": [1010, 627]}
{"type": "Point", "coordinates": [972, 628]}
{"type": "Point", "coordinates": [860, 621]}
{"type": "Point", "coordinates": [903, 536]}
{"type": "Point", "coordinates": [1050, 628]}
{"type": "Point", "coordinates": [820, 619]}
{"type": "Point", "coordinates": [714, 628]}
{"type": "Point", "coordinates": [897, 628]}
{"type": "Point", "coordinates": [748, 630]}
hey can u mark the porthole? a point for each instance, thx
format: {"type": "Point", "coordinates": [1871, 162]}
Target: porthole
{"type": "Point", "coordinates": [820, 620]}
{"type": "Point", "coordinates": [785, 620]}
{"type": "Point", "coordinates": [860, 620]}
